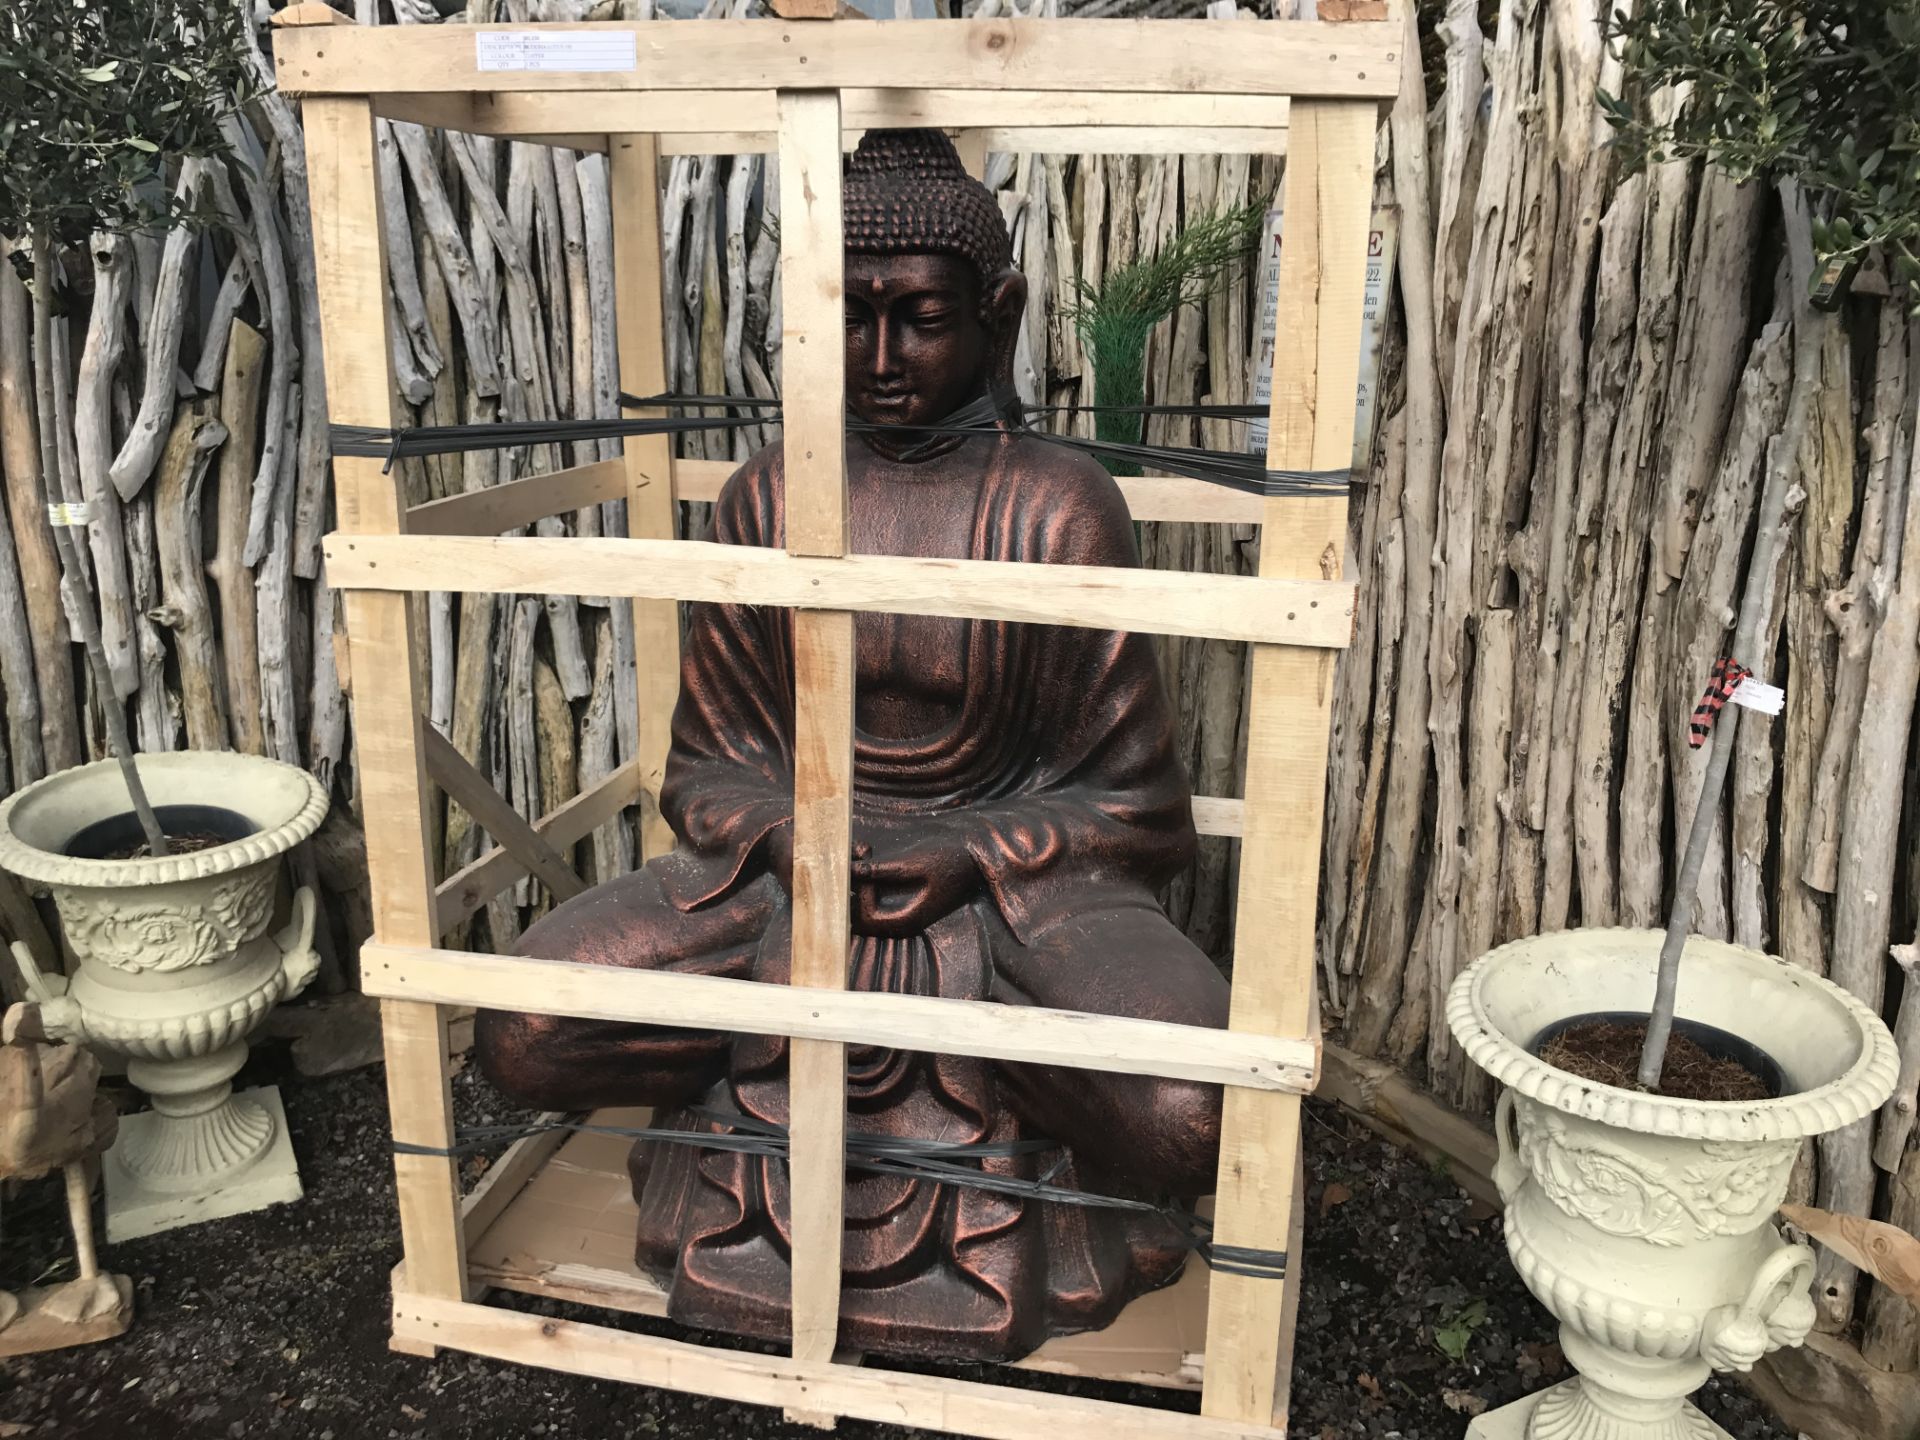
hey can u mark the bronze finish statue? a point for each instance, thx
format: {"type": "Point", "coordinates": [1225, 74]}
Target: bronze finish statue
{"type": "Point", "coordinates": [1018, 803]}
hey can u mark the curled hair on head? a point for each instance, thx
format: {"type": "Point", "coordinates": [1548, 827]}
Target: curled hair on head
{"type": "Point", "coordinates": [908, 194]}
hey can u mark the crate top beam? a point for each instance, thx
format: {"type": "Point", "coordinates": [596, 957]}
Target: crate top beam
{"type": "Point", "coordinates": [1182, 57]}
{"type": "Point", "coordinates": [718, 121]}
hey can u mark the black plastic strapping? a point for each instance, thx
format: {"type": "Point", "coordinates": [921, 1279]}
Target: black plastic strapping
{"type": "Point", "coordinates": [942, 1162]}
{"type": "Point", "coordinates": [988, 415]}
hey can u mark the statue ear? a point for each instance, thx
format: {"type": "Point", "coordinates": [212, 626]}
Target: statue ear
{"type": "Point", "coordinates": [1001, 307]}
{"type": "Point", "coordinates": [1005, 299]}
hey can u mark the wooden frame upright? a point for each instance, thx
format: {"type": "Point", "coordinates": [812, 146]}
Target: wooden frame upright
{"type": "Point", "coordinates": [805, 89]}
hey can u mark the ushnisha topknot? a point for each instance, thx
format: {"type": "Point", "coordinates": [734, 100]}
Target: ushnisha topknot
{"type": "Point", "coordinates": [907, 193]}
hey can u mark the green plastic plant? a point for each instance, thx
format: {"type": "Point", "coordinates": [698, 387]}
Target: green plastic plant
{"type": "Point", "coordinates": [1115, 319]}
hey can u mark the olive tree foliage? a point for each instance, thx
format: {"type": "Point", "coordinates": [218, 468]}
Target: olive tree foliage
{"type": "Point", "coordinates": [98, 96]}
{"type": "Point", "coordinates": [1822, 92]}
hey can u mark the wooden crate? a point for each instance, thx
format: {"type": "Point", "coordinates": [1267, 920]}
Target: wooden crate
{"type": "Point", "coordinates": [805, 89]}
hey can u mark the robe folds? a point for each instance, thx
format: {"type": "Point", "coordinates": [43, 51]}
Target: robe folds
{"type": "Point", "coordinates": [1053, 771]}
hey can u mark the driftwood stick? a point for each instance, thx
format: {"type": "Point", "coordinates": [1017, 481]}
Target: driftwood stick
{"type": "Point", "coordinates": [165, 324]}
{"type": "Point", "coordinates": [1854, 611]}
{"type": "Point", "coordinates": [156, 710]}
{"type": "Point", "coordinates": [233, 498]}
{"type": "Point", "coordinates": [277, 320]}
{"type": "Point", "coordinates": [276, 623]}
{"type": "Point", "coordinates": [92, 432]}
{"type": "Point", "coordinates": [184, 609]}
{"type": "Point", "coordinates": [481, 348]}
{"type": "Point", "coordinates": [226, 304]}
{"type": "Point", "coordinates": [26, 495]}
{"type": "Point", "coordinates": [401, 269]}
{"type": "Point", "coordinates": [20, 686]}
{"type": "Point", "coordinates": [612, 850]}
{"type": "Point", "coordinates": [326, 705]}
{"type": "Point", "coordinates": [1897, 1118]}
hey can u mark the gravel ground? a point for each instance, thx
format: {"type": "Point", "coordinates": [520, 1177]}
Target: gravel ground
{"type": "Point", "coordinates": [275, 1323]}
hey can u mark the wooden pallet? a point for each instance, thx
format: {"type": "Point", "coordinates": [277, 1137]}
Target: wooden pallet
{"type": "Point", "coordinates": [804, 89]}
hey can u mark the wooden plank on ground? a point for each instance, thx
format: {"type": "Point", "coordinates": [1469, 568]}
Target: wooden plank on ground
{"type": "Point", "coordinates": [1312, 613]}
{"type": "Point", "coordinates": [634, 177]}
{"type": "Point", "coordinates": [1073, 1038]}
{"type": "Point", "coordinates": [813, 435]}
{"type": "Point", "coordinates": [351, 267]}
{"type": "Point", "coordinates": [1193, 57]}
{"type": "Point", "coordinates": [520, 502]}
{"type": "Point", "coordinates": [455, 774]}
{"type": "Point", "coordinates": [1385, 1101]}
{"type": "Point", "coordinates": [1315, 369]}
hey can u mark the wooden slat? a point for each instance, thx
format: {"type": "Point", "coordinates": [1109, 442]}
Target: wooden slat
{"type": "Point", "coordinates": [813, 436]}
{"type": "Point", "coordinates": [710, 121]}
{"type": "Point", "coordinates": [1315, 368]}
{"type": "Point", "coordinates": [1149, 497]}
{"type": "Point", "coordinates": [520, 502]}
{"type": "Point", "coordinates": [1192, 57]}
{"type": "Point", "coordinates": [1017, 140]}
{"type": "Point", "coordinates": [634, 176]}
{"type": "Point", "coordinates": [929, 1402]}
{"type": "Point", "coordinates": [1311, 613]}
{"type": "Point", "coordinates": [455, 774]}
{"type": "Point", "coordinates": [470, 887]}
{"type": "Point", "coordinates": [351, 268]}
{"type": "Point", "coordinates": [508, 1175]}
{"type": "Point", "coordinates": [1073, 1038]}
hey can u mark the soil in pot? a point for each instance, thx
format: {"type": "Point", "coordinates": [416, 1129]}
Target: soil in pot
{"type": "Point", "coordinates": [1703, 1063]}
{"type": "Point", "coordinates": [187, 828]}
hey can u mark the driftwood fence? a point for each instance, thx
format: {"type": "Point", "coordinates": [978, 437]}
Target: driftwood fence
{"type": "Point", "coordinates": [1585, 380]}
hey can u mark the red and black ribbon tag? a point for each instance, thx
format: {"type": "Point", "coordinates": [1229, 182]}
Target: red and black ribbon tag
{"type": "Point", "coordinates": [1727, 673]}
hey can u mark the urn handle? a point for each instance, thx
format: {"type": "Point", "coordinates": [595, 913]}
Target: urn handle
{"type": "Point", "coordinates": [1509, 1170]}
{"type": "Point", "coordinates": [298, 959]}
{"type": "Point", "coordinates": [1777, 1313]}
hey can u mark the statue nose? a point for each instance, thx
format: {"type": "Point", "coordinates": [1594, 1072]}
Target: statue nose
{"type": "Point", "coordinates": [886, 350]}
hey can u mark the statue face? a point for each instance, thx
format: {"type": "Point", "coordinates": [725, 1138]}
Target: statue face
{"type": "Point", "coordinates": [917, 346]}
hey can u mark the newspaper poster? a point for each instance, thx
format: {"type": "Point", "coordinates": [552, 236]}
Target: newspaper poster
{"type": "Point", "coordinates": [1382, 235]}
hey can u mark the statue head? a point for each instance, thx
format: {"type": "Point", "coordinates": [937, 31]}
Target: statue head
{"type": "Point", "coordinates": [933, 301]}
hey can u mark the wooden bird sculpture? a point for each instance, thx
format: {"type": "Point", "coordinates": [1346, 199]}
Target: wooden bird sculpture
{"type": "Point", "coordinates": [51, 1118]}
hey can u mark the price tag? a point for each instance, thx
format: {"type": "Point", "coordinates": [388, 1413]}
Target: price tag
{"type": "Point", "coordinates": [577, 51]}
{"type": "Point", "coordinates": [1758, 695]}
{"type": "Point", "coordinates": [69, 515]}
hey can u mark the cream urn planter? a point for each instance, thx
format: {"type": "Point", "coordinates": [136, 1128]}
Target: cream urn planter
{"type": "Point", "coordinates": [178, 964]}
{"type": "Point", "coordinates": [1645, 1224]}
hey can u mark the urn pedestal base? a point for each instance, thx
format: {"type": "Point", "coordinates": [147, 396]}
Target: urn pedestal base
{"type": "Point", "coordinates": [135, 1207]}
{"type": "Point", "coordinates": [1512, 1422]}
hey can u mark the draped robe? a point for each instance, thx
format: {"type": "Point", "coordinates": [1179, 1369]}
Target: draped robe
{"type": "Point", "coordinates": [1050, 763]}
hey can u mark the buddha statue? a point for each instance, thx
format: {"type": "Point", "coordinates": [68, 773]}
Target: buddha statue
{"type": "Point", "coordinates": [1018, 803]}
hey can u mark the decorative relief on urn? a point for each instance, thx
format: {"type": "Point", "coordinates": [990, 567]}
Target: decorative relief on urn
{"type": "Point", "coordinates": [139, 932]}
{"type": "Point", "coordinates": [1724, 1188]}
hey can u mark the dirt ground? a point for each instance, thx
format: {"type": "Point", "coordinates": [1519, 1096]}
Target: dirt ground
{"type": "Point", "coordinates": [275, 1324]}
